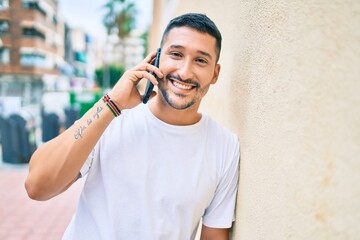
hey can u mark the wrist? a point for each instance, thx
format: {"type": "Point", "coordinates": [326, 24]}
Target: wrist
{"type": "Point", "coordinates": [114, 96]}
{"type": "Point", "coordinates": [111, 105]}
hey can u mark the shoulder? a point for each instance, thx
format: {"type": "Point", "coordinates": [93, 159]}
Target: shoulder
{"type": "Point", "coordinates": [225, 146]}
{"type": "Point", "coordinates": [219, 133]}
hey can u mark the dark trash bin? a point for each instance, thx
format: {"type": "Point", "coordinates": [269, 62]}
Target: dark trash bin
{"type": "Point", "coordinates": [18, 138]}
{"type": "Point", "coordinates": [72, 113]}
{"type": "Point", "coordinates": [9, 140]}
{"type": "Point", "coordinates": [50, 126]}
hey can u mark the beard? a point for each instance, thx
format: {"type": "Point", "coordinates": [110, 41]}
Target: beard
{"type": "Point", "coordinates": [181, 101]}
{"type": "Point", "coordinates": [172, 102]}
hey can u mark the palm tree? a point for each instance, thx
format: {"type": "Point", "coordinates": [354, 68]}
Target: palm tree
{"type": "Point", "coordinates": [125, 19]}
{"type": "Point", "coordinates": [119, 18]}
{"type": "Point", "coordinates": [125, 23]}
{"type": "Point", "coordinates": [110, 15]}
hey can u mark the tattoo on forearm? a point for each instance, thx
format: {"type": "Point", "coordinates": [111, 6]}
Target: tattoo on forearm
{"type": "Point", "coordinates": [96, 114]}
{"type": "Point", "coordinates": [80, 131]}
{"type": "Point", "coordinates": [89, 121]}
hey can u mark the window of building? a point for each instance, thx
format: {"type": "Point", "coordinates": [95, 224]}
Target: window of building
{"type": "Point", "coordinates": [33, 32]}
{"type": "Point", "coordinates": [80, 57]}
{"type": "Point", "coordinates": [4, 55]}
{"type": "Point", "coordinates": [4, 26]}
{"type": "Point", "coordinates": [4, 4]}
{"type": "Point", "coordinates": [32, 60]}
{"type": "Point", "coordinates": [54, 20]}
{"type": "Point", "coordinates": [33, 4]}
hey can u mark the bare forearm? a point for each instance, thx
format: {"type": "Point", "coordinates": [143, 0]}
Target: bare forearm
{"type": "Point", "coordinates": [56, 164]}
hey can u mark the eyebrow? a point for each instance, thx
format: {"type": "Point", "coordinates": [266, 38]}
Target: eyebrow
{"type": "Point", "coordinates": [182, 47]}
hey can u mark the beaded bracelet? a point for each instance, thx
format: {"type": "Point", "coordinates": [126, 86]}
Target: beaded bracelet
{"type": "Point", "coordinates": [111, 105]}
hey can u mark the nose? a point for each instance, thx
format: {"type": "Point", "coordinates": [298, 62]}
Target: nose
{"type": "Point", "coordinates": [185, 69]}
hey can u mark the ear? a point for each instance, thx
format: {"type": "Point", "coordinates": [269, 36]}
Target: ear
{"type": "Point", "coordinates": [216, 73]}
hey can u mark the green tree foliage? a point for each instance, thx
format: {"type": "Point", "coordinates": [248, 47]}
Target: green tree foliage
{"type": "Point", "coordinates": [145, 37]}
{"type": "Point", "coordinates": [125, 20]}
{"type": "Point", "coordinates": [115, 73]}
{"type": "Point", "coordinates": [110, 15]}
{"type": "Point", "coordinates": [120, 17]}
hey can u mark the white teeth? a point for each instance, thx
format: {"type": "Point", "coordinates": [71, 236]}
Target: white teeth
{"type": "Point", "coordinates": [181, 86]}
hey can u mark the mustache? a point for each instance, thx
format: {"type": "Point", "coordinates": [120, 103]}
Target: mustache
{"type": "Point", "coordinates": [178, 78]}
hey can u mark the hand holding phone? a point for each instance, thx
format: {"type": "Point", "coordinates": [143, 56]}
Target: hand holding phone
{"type": "Point", "coordinates": [149, 86]}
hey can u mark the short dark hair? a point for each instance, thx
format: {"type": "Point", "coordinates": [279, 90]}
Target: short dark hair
{"type": "Point", "coordinates": [199, 22]}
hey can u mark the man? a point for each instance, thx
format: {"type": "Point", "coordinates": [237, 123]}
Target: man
{"type": "Point", "coordinates": [159, 168]}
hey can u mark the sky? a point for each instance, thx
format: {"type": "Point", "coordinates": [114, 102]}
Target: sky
{"type": "Point", "coordinates": [87, 15]}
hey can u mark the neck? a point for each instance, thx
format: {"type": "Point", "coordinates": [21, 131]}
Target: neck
{"type": "Point", "coordinates": [173, 116]}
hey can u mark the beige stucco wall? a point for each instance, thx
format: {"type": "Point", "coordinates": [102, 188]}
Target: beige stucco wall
{"type": "Point", "coordinates": [290, 88]}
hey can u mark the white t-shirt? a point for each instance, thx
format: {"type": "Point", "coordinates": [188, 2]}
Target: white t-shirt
{"type": "Point", "coordinates": [151, 180]}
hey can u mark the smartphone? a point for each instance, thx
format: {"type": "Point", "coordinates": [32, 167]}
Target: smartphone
{"type": "Point", "coordinates": [149, 86]}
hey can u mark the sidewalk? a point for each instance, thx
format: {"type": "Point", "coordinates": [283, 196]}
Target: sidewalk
{"type": "Point", "coordinates": [26, 219]}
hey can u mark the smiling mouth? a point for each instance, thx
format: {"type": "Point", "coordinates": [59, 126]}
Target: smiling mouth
{"type": "Point", "coordinates": [182, 85]}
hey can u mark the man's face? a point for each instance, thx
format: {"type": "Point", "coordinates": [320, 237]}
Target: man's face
{"type": "Point", "coordinates": [188, 62]}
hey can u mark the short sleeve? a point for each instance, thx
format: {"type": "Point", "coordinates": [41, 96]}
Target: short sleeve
{"type": "Point", "coordinates": [94, 154]}
{"type": "Point", "coordinates": [221, 211]}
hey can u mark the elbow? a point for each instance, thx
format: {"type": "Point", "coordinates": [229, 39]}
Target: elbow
{"type": "Point", "coordinates": [35, 191]}
{"type": "Point", "coordinates": [32, 192]}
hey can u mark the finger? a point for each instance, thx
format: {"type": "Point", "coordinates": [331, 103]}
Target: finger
{"type": "Point", "coordinates": [149, 58]}
{"type": "Point", "coordinates": [143, 74]}
{"type": "Point", "coordinates": [143, 66]}
{"type": "Point", "coordinates": [154, 69]}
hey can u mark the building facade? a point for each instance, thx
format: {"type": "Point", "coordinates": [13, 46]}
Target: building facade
{"type": "Point", "coordinates": [32, 46]}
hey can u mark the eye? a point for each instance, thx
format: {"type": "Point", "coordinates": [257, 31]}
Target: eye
{"type": "Point", "coordinates": [176, 54]}
{"type": "Point", "coordinates": [202, 60]}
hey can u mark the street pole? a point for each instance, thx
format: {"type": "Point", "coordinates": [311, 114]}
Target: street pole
{"type": "Point", "coordinates": [106, 62]}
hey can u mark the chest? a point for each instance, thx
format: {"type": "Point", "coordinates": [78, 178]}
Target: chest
{"type": "Point", "coordinates": [173, 172]}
